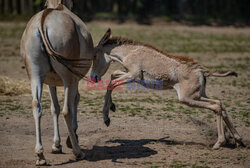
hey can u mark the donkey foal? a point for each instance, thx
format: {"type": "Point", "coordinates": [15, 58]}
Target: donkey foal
{"type": "Point", "coordinates": [145, 62]}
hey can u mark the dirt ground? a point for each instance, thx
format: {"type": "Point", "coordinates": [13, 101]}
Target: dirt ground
{"type": "Point", "coordinates": [149, 129]}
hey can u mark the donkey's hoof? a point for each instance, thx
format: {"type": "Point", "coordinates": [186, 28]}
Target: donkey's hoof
{"type": "Point", "coordinates": [112, 107]}
{"type": "Point", "coordinates": [56, 150]}
{"type": "Point", "coordinates": [80, 156]}
{"type": "Point", "coordinates": [41, 162]}
{"type": "Point", "coordinates": [68, 143]}
{"type": "Point", "coordinates": [107, 122]}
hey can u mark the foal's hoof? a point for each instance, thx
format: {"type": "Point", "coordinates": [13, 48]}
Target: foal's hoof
{"type": "Point", "coordinates": [218, 144]}
{"type": "Point", "coordinates": [239, 143]}
{"type": "Point", "coordinates": [68, 141]}
{"type": "Point", "coordinates": [112, 107]}
{"type": "Point", "coordinates": [56, 150]}
{"type": "Point", "coordinates": [107, 122]}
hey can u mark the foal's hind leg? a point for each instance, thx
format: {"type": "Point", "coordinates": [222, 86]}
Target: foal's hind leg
{"type": "Point", "coordinates": [55, 111]}
{"type": "Point", "coordinates": [229, 124]}
{"type": "Point", "coordinates": [220, 128]}
{"type": "Point", "coordinates": [191, 98]}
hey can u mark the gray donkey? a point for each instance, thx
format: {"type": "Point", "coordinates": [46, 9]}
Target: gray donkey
{"type": "Point", "coordinates": [54, 45]}
{"type": "Point", "coordinates": [145, 62]}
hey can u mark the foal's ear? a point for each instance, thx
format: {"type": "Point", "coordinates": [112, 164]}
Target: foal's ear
{"type": "Point", "coordinates": [105, 38]}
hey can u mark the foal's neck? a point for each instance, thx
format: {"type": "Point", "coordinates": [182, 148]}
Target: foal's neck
{"type": "Point", "coordinates": [116, 53]}
{"type": "Point", "coordinates": [119, 52]}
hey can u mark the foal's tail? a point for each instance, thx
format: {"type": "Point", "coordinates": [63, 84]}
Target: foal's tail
{"type": "Point", "coordinates": [216, 73]}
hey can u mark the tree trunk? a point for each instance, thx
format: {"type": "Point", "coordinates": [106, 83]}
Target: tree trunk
{"type": "Point", "coordinates": [23, 7]}
{"type": "Point", "coordinates": [1, 6]}
{"type": "Point", "coordinates": [14, 3]}
{"type": "Point", "coordinates": [30, 6]}
{"type": "Point", "coordinates": [182, 7]}
{"type": "Point", "coordinates": [6, 7]}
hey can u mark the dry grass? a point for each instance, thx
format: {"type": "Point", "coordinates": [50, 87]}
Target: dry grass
{"type": "Point", "coordinates": [10, 87]}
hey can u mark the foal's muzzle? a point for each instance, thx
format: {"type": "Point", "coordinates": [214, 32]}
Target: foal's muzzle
{"type": "Point", "coordinates": [95, 78]}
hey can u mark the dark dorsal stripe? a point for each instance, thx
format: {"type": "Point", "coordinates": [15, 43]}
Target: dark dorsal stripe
{"type": "Point", "coordinates": [124, 41]}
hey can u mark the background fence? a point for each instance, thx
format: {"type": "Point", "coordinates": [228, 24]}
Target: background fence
{"type": "Point", "coordinates": [196, 11]}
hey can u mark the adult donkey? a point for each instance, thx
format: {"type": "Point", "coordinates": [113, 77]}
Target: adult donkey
{"type": "Point", "coordinates": [57, 49]}
{"type": "Point", "coordinates": [144, 62]}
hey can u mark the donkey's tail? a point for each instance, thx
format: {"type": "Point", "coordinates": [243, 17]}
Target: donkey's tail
{"type": "Point", "coordinates": [217, 73]}
{"type": "Point", "coordinates": [70, 64]}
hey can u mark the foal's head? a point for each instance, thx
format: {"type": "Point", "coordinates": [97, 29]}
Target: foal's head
{"type": "Point", "coordinates": [101, 59]}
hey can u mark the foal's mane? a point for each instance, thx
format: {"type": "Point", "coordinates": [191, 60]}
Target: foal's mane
{"type": "Point", "coordinates": [124, 41]}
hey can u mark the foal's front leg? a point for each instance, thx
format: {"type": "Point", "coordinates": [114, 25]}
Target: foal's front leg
{"type": "Point", "coordinates": [120, 78]}
{"type": "Point", "coordinates": [114, 75]}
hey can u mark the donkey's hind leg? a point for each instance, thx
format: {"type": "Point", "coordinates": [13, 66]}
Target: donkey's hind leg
{"type": "Point", "coordinates": [55, 111]}
{"type": "Point", "coordinates": [70, 90]}
{"type": "Point", "coordinates": [37, 86]}
{"type": "Point", "coordinates": [74, 120]}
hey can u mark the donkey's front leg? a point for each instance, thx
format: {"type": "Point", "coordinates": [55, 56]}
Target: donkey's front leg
{"type": "Point", "coordinates": [55, 111]}
{"type": "Point", "coordinates": [36, 86]}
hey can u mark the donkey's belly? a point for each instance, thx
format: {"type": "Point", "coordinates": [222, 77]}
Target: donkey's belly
{"type": "Point", "coordinates": [53, 79]}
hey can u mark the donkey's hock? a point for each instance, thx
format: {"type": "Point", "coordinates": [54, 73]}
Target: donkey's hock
{"type": "Point", "coordinates": [58, 51]}
{"type": "Point", "coordinates": [145, 62]}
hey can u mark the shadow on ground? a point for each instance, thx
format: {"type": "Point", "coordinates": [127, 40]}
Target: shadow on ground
{"type": "Point", "coordinates": [127, 149]}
